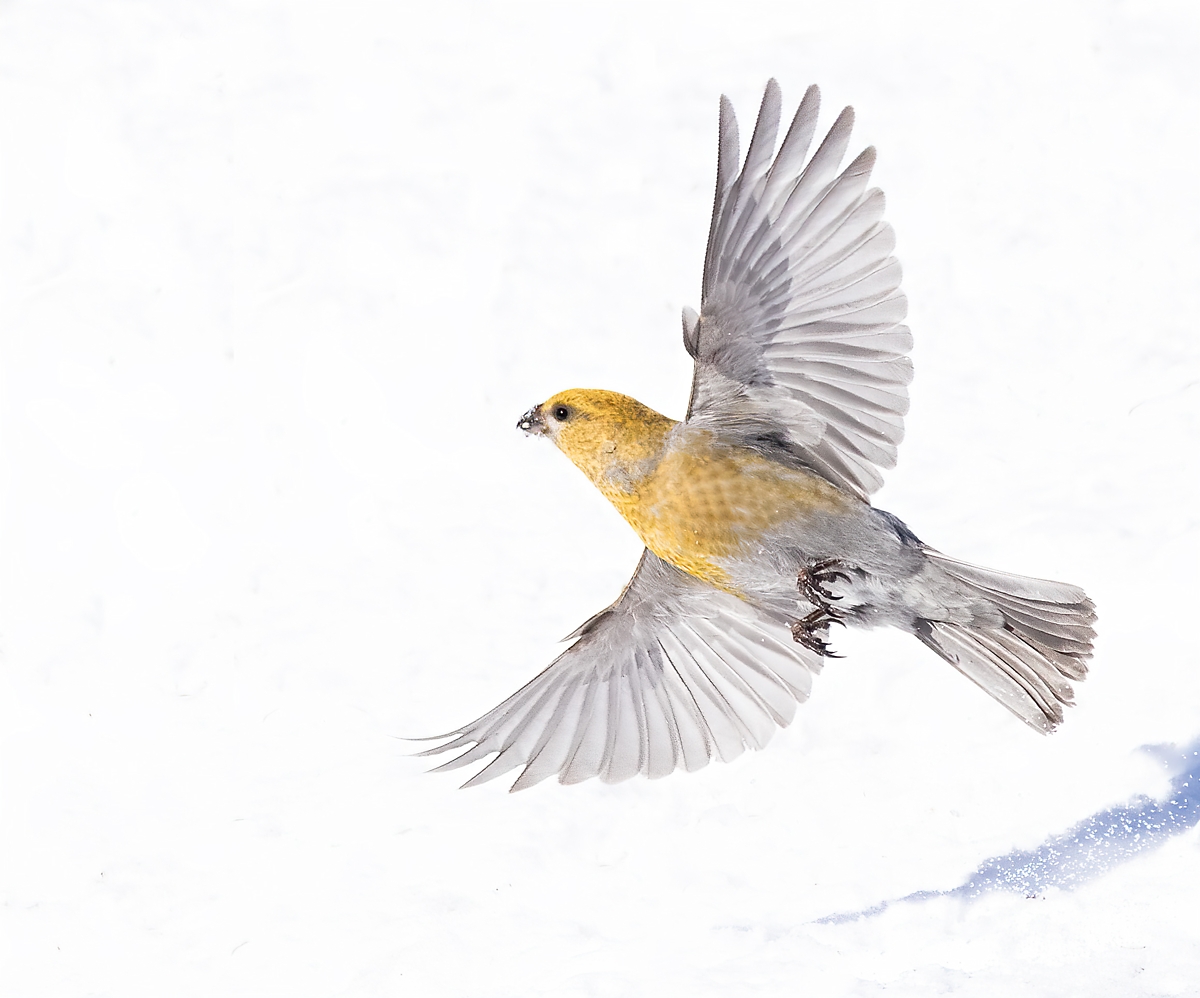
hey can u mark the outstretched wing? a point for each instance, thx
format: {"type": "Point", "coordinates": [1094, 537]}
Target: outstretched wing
{"type": "Point", "coordinates": [673, 674]}
{"type": "Point", "coordinates": [798, 344]}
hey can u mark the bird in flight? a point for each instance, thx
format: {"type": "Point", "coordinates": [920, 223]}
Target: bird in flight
{"type": "Point", "coordinates": [755, 509]}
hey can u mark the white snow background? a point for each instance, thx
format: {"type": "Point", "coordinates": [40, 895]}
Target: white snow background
{"type": "Point", "coordinates": [279, 278]}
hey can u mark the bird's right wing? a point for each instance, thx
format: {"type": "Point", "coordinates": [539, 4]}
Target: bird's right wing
{"type": "Point", "coordinates": [674, 673]}
{"type": "Point", "coordinates": [798, 344]}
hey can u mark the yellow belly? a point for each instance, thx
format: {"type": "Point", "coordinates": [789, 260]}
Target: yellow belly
{"type": "Point", "coordinates": [703, 505]}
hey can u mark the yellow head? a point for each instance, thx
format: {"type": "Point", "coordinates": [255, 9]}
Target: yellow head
{"type": "Point", "coordinates": [611, 438]}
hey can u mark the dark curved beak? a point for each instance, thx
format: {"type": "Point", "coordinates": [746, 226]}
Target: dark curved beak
{"type": "Point", "coordinates": [532, 422]}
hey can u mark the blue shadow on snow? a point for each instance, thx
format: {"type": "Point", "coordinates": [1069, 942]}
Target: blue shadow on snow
{"type": "Point", "coordinates": [1093, 847]}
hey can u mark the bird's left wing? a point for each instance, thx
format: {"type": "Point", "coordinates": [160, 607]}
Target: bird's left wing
{"type": "Point", "coordinates": [673, 674]}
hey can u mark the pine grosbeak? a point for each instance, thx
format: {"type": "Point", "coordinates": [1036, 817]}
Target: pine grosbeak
{"type": "Point", "coordinates": [754, 509]}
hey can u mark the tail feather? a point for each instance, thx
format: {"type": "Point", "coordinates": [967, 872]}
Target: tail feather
{"type": "Point", "coordinates": [1045, 641]}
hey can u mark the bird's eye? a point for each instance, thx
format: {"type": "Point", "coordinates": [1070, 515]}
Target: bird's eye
{"type": "Point", "coordinates": [561, 412]}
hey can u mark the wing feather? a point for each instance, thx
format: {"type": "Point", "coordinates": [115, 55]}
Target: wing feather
{"type": "Point", "coordinates": [623, 754]}
{"type": "Point", "coordinates": [790, 159]}
{"type": "Point", "coordinates": [672, 675]}
{"type": "Point", "coordinates": [554, 741]}
{"type": "Point", "coordinates": [716, 732]}
{"type": "Point", "coordinates": [771, 691]}
{"type": "Point", "coordinates": [589, 729]}
{"type": "Point", "coordinates": [663, 744]}
{"type": "Point", "coordinates": [801, 301]}
{"type": "Point", "coordinates": [739, 686]}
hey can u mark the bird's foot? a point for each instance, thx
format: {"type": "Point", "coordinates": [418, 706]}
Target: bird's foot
{"type": "Point", "coordinates": [813, 630]}
{"type": "Point", "coordinates": [814, 580]}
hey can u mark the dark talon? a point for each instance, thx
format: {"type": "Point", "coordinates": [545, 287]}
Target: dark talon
{"type": "Point", "coordinates": [804, 632]}
{"type": "Point", "coordinates": [813, 580]}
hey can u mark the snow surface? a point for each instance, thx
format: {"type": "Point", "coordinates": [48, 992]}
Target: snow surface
{"type": "Point", "coordinates": [279, 278]}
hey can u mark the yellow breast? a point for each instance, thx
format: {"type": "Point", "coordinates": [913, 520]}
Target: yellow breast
{"type": "Point", "coordinates": [703, 504]}
{"type": "Point", "coordinates": [695, 501]}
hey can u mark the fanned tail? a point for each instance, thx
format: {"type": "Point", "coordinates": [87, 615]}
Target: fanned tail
{"type": "Point", "coordinates": [1029, 662]}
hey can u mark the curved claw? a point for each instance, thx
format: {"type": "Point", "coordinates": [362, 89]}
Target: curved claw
{"type": "Point", "coordinates": [805, 632]}
{"type": "Point", "coordinates": [813, 580]}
